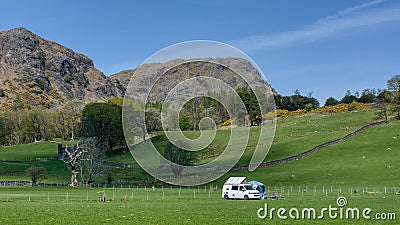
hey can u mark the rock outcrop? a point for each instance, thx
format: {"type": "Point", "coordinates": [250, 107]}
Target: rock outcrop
{"type": "Point", "coordinates": [38, 72]}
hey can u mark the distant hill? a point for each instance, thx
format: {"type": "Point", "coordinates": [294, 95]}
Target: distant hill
{"type": "Point", "coordinates": [35, 71]}
{"type": "Point", "coordinates": [224, 69]}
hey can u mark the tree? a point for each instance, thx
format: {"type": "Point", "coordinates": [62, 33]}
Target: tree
{"type": "Point", "coordinates": [331, 101]}
{"type": "Point", "coordinates": [251, 103]}
{"type": "Point", "coordinates": [104, 122]}
{"type": "Point", "coordinates": [367, 96]}
{"type": "Point", "coordinates": [283, 102]}
{"type": "Point", "coordinates": [393, 86]}
{"type": "Point", "coordinates": [36, 174]}
{"type": "Point", "coordinates": [184, 123]}
{"type": "Point", "coordinates": [91, 160]}
{"type": "Point", "coordinates": [67, 119]}
{"type": "Point", "coordinates": [5, 131]}
{"type": "Point", "coordinates": [37, 125]}
{"type": "Point", "coordinates": [73, 159]}
{"type": "Point", "coordinates": [153, 120]}
{"type": "Point", "coordinates": [296, 101]}
{"type": "Point", "coordinates": [348, 98]}
{"type": "Point", "coordinates": [180, 157]}
{"type": "Point", "coordinates": [382, 102]}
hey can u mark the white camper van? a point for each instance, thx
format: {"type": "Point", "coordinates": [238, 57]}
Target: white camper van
{"type": "Point", "coordinates": [237, 188]}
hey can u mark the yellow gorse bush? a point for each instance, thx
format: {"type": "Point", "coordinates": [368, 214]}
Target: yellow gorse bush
{"type": "Point", "coordinates": [282, 113]}
{"type": "Point", "coordinates": [326, 109]}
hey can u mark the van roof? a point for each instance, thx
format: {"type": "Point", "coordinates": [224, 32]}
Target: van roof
{"type": "Point", "coordinates": [235, 180]}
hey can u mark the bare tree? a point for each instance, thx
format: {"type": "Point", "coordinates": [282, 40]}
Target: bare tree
{"type": "Point", "coordinates": [91, 160]}
{"type": "Point", "coordinates": [74, 159]}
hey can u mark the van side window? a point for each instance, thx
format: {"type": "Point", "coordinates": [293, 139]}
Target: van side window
{"type": "Point", "coordinates": [234, 188]}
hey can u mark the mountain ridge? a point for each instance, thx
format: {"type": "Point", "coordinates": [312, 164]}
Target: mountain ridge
{"type": "Point", "coordinates": [38, 72]}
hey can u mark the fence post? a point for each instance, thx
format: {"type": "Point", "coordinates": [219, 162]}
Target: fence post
{"type": "Point", "coordinates": [147, 195]}
{"type": "Point", "coordinates": [29, 196]}
{"type": "Point", "coordinates": [48, 196]}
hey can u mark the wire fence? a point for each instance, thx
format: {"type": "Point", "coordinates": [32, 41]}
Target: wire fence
{"type": "Point", "coordinates": [141, 193]}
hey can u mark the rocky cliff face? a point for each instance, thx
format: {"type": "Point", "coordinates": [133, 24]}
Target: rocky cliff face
{"type": "Point", "coordinates": [38, 72]}
{"type": "Point", "coordinates": [178, 70]}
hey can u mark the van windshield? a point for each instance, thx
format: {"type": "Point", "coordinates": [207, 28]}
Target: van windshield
{"type": "Point", "coordinates": [249, 187]}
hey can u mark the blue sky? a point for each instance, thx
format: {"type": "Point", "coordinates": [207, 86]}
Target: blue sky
{"type": "Point", "coordinates": [324, 47]}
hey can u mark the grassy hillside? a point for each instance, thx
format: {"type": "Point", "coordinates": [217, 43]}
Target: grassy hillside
{"type": "Point", "coordinates": [361, 161]}
{"type": "Point", "coordinates": [295, 135]}
{"type": "Point", "coordinates": [340, 164]}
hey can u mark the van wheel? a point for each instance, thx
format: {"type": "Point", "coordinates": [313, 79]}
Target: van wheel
{"type": "Point", "coordinates": [246, 197]}
{"type": "Point", "coordinates": [225, 196]}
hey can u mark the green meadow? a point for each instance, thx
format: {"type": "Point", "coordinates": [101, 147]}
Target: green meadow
{"type": "Point", "coordinates": [368, 163]}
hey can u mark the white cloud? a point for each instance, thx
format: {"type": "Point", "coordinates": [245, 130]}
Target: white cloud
{"type": "Point", "coordinates": [353, 9]}
{"type": "Point", "coordinates": [343, 21]}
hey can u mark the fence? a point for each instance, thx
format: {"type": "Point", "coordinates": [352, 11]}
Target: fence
{"type": "Point", "coordinates": [114, 193]}
{"type": "Point", "coordinates": [146, 193]}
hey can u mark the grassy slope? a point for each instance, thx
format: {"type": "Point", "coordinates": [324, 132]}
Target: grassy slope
{"type": "Point", "coordinates": [360, 161]}
{"type": "Point", "coordinates": [293, 135]}
{"type": "Point", "coordinates": [25, 156]}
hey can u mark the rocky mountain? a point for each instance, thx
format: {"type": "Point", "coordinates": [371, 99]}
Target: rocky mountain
{"type": "Point", "coordinates": [38, 72]}
{"type": "Point", "coordinates": [178, 70]}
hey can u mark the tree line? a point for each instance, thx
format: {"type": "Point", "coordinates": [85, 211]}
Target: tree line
{"type": "Point", "coordinates": [386, 100]}
{"type": "Point", "coordinates": [103, 119]}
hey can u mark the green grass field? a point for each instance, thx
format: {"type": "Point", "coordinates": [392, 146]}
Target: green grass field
{"type": "Point", "coordinates": [133, 205]}
{"type": "Point", "coordinates": [361, 163]}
